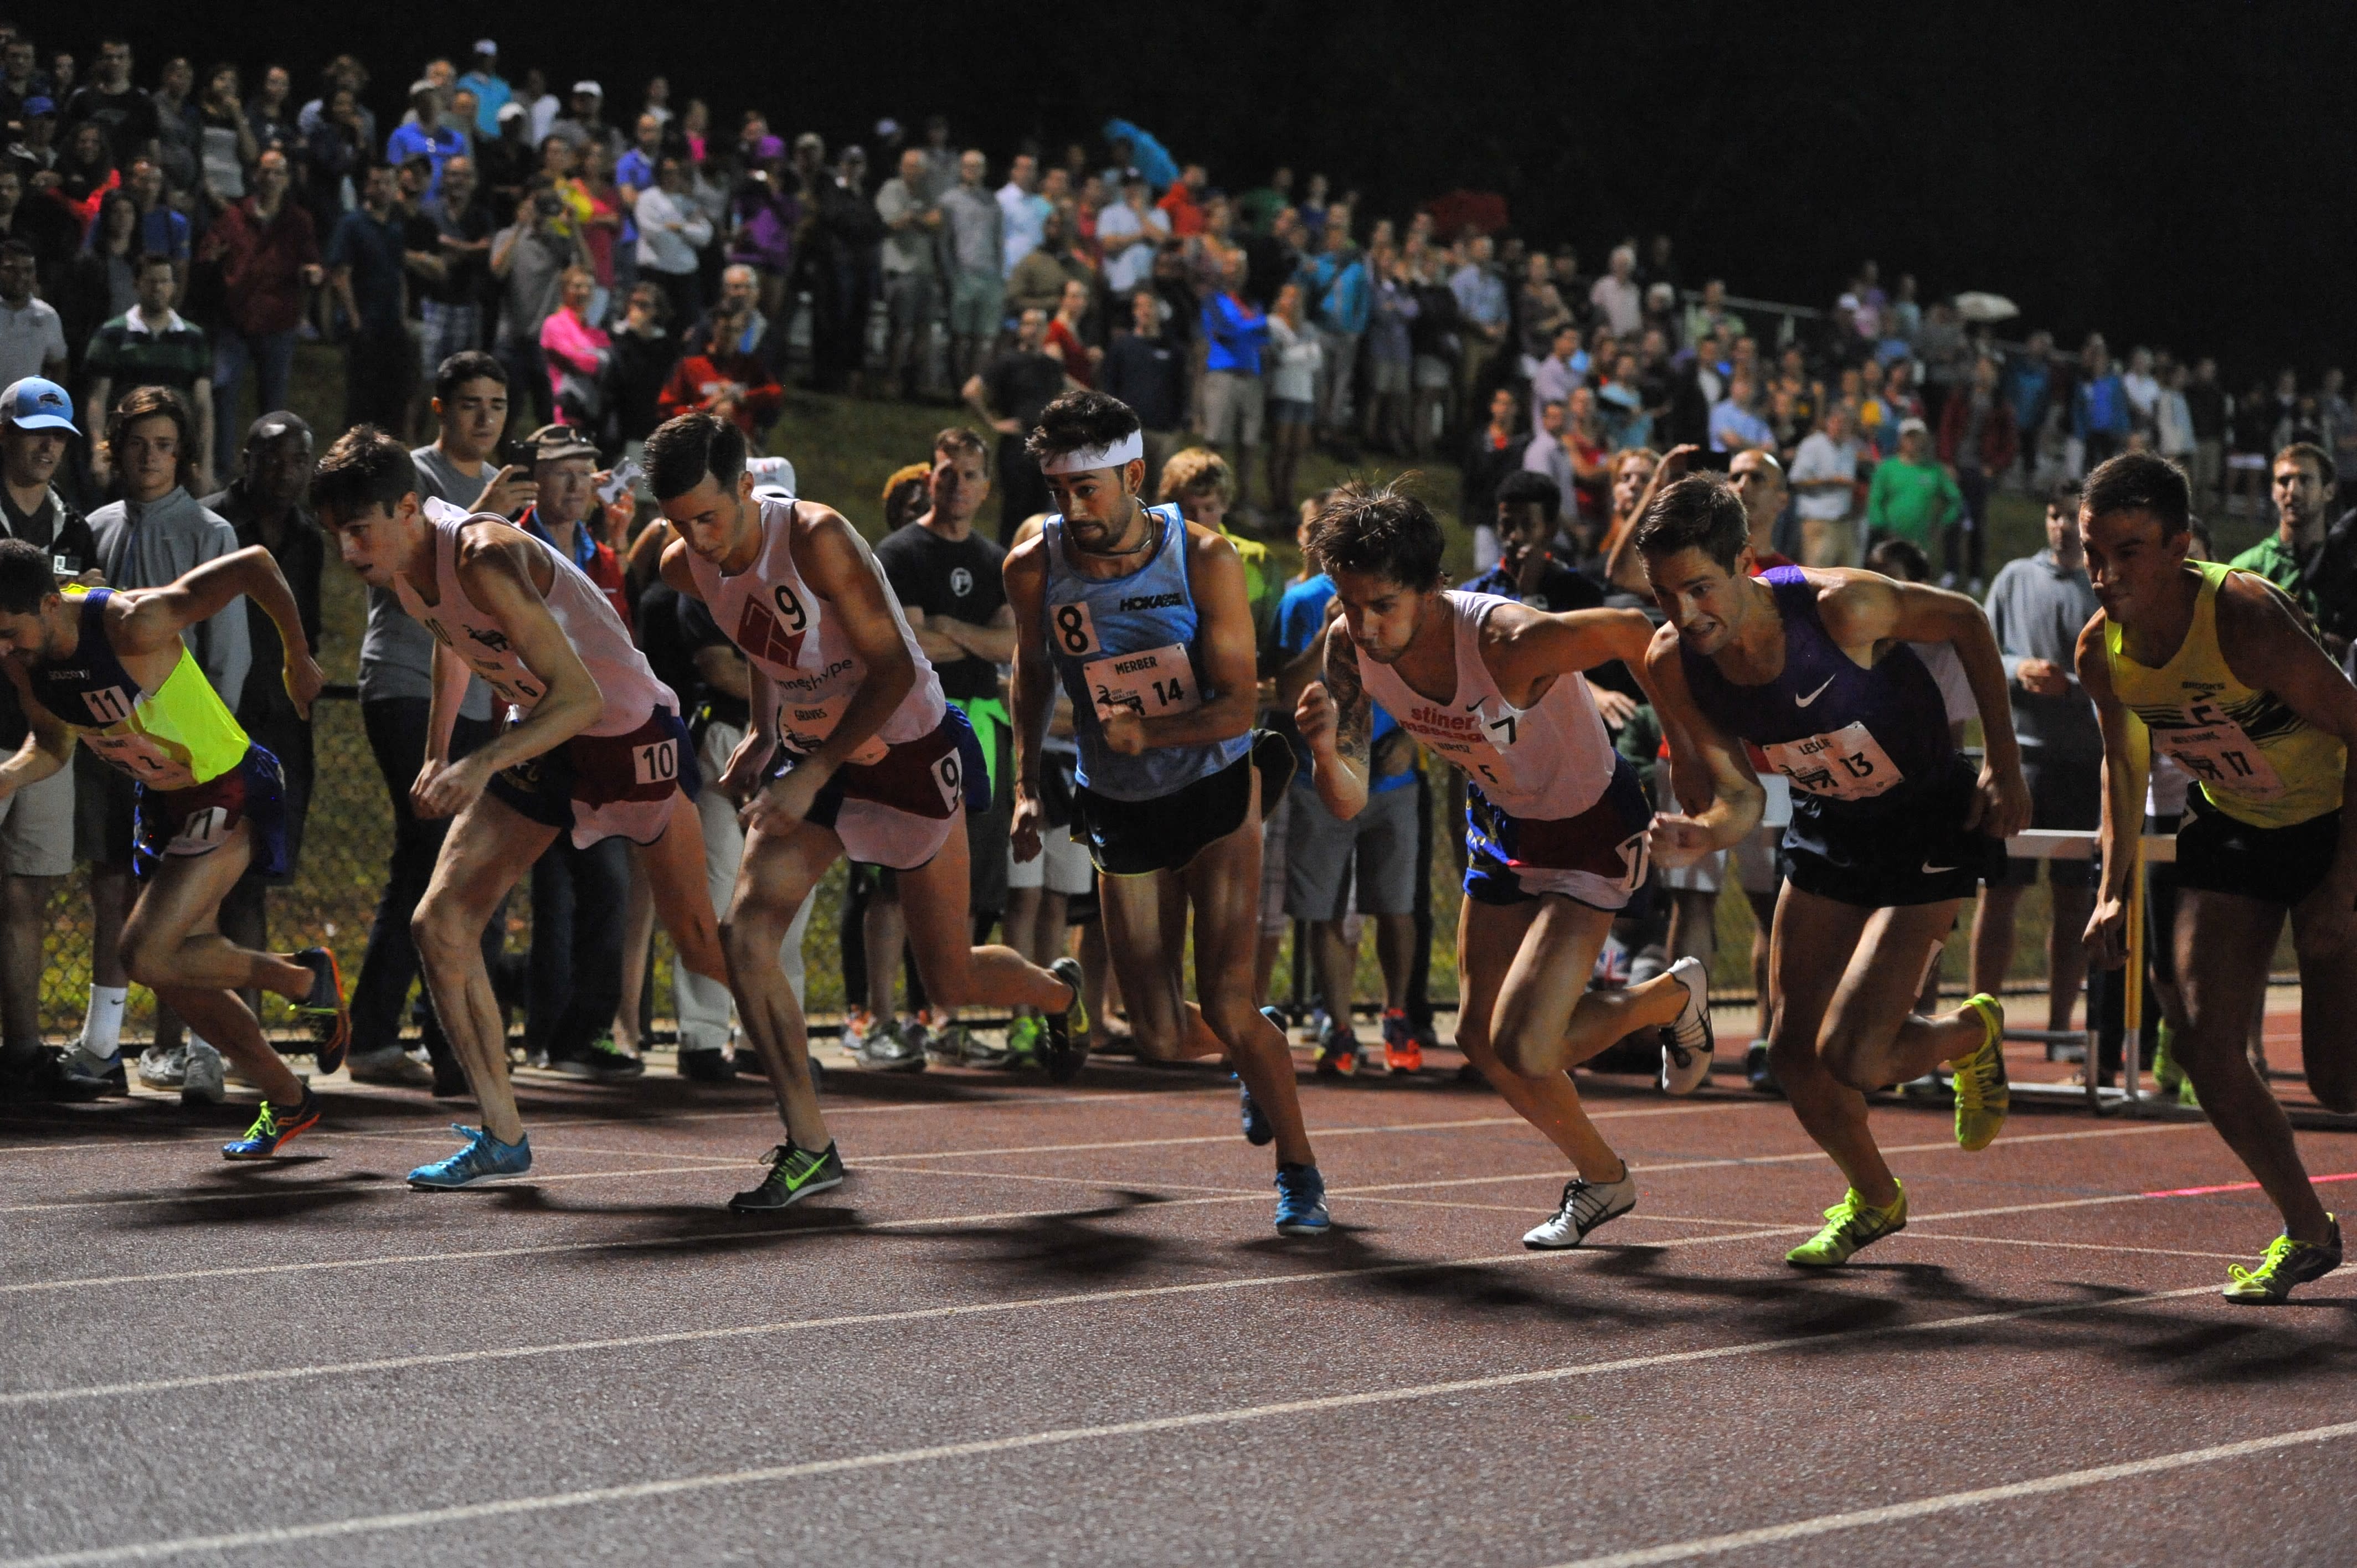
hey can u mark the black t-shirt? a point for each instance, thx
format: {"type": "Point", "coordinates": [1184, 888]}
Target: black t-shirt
{"type": "Point", "coordinates": [671, 628]}
{"type": "Point", "coordinates": [128, 118]}
{"type": "Point", "coordinates": [466, 277]}
{"type": "Point", "coordinates": [1021, 383]}
{"type": "Point", "coordinates": [957, 579]}
{"type": "Point", "coordinates": [60, 530]}
{"type": "Point", "coordinates": [419, 233]}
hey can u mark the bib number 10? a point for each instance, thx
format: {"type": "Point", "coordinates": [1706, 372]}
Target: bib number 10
{"type": "Point", "coordinates": [657, 763]}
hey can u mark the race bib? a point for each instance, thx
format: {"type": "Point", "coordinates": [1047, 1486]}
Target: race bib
{"type": "Point", "coordinates": [1072, 629]}
{"type": "Point", "coordinates": [111, 705]}
{"type": "Point", "coordinates": [202, 832]}
{"type": "Point", "coordinates": [656, 762]}
{"type": "Point", "coordinates": [1847, 765]}
{"type": "Point", "coordinates": [1463, 745]}
{"type": "Point", "coordinates": [2221, 754]}
{"type": "Point", "coordinates": [1150, 682]}
{"type": "Point", "coordinates": [140, 757]}
{"type": "Point", "coordinates": [949, 774]}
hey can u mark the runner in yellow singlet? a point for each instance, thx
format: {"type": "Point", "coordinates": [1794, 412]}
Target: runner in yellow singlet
{"type": "Point", "coordinates": [2218, 669]}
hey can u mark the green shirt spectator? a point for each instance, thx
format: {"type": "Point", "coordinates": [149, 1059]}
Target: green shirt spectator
{"type": "Point", "coordinates": [2277, 562]}
{"type": "Point", "coordinates": [1912, 497]}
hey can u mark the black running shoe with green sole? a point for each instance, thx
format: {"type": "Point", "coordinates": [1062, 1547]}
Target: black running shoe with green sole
{"type": "Point", "coordinates": [794, 1173]}
{"type": "Point", "coordinates": [1064, 1046]}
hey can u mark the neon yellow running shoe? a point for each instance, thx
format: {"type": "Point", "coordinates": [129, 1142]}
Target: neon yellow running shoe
{"type": "Point", "coordinates": [2287, 1264]}
{"type": "Point", "coordinates": [1983, 1096]}
{"type": "Point", "coordinates": [1850, 1224]}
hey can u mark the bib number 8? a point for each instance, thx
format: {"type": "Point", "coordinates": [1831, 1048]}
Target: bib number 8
{"type": "Point", "coordinates": [655, 764]}
{"type": "Point", "coordinates": [1075, 629]}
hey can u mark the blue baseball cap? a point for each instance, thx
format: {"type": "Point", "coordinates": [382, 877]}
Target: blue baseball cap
{"type": "Point", "coordinates": [37, 106]}
{"type": "Point", "coordinates": [34, 404]}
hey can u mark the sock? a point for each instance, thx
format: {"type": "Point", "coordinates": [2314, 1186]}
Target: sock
{"type": "Point", "coordinates": [101, 1026]}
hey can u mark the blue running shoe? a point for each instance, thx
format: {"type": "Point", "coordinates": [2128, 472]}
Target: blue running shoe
{"type": "Point", "coordinates": [272, 1128]}
{"type": "Point", "coordinates": [483, 1159]}
{"type": "Point", "coordinates": [1301, 1201]}
{"type": "Point", "coordinates": [1257, 1131]}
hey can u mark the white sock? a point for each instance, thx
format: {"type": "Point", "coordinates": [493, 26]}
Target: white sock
{"type": "Point", "coordinates": [101, 1026]}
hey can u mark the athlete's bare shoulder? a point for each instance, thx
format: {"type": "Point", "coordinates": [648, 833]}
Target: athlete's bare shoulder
{"type": "Point", "coordinates": [1205, 545]}
{"type": "Point", "coordinates": [492, 547]}
{"type": "Point", "coordinates": [1026, 558]}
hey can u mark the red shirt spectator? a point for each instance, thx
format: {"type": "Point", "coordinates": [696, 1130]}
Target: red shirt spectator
{"type": "Point", "coordinates": [1180, 203]}
{"type": "Point", "coordinates": [728, 379]}
{"type": "Point", "coordinates": [266, 260]}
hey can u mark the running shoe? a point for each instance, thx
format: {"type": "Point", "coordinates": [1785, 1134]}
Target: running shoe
{"type": "Point", "coordinates": [102, 1075]}
{"type": "Point", "coordinates": [1338, 1050]}
{"type": "Point", "coordinates": [160, 1069]}
{"type": "Point", "coordinates": [1025, 1035]}
{"type": "Point", "coordinates": [205, 1081]}
{"type": "Point", "coordinates": [794, 1173]}
{"type": "Point", "coordinates": [1758, 1071]}
{"type": "Point", "coordinates": [272, 1128]}
{"type": "Point", "coordinates": [2167, 1076]}
{"type": "Point", "coordinates": [898, 1045]}
{"type": "Point", "coordinates": [1257, 1130]}
{"type": "Point", "coordinates": [1301, 1201]}
{"type": "Point", "coordinates": [38, 1077]}
{"type": "Point", "coordinates": [946, 1042]}
{"type": "Point", "coordinates": [1403, 1052]}
{"type": "Point", "coordinates": [712, 1066]}
{"type": "Point", "coordinates": [1064, 1040]}
{"type": "Point", "coordinates": [1687, 1040]}
{"type": "Point", "coordinates": [391, 1066]}
{"type": "Point", "coordinates": [1982, 1095]}
{"type": "Point", "coordinates": [329, 1020]}
{"type": "Point", "coordinates": [1850, 1224]}
{"type": "Point", "coordinates": [2287, 1264]}
{"type": "Point", "coordinates": [484, 1158]}
{"type": "Point", "coordinates": [599, 1061]}
{"type": "Point", "coordinates": [1586, 1205]}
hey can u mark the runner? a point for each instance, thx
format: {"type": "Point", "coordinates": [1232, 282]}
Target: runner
{"type": "Point", "coordinates": [1142, 615]}
{"type": "Point", "coordinates": [1555, 821]}
{"type": "Point", "coordinates": [2217, 670]}
{"type": "Point", "coordinates": [1889, 830]}
{"type": "Point", "coordinates": [111, 666]}
{"type": "Point", "coordinates": [852, 751]}
{"type": "Point", "coordinates": [592, 746]}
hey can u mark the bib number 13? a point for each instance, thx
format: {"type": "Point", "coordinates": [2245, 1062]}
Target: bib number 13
{"type": "Point", "coordinates": [657, 763]}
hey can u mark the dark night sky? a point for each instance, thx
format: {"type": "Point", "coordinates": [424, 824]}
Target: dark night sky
{"type": "Point", "coordinates": [2160, 171]}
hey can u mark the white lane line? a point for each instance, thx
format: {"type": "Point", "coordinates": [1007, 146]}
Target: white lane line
{"type": "Point", "coordinates": [378, 1190]}
{"type": "Point", "coordinates": [1892, 1513]}
{"type": "Point", "coordinates": [378, 1524]}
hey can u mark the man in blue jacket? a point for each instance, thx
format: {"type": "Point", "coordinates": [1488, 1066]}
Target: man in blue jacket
{"type": "Point", "coordinates": [1335, 282]}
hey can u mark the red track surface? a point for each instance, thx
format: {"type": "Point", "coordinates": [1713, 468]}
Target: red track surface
{"type": "Point", "coordinates": [1054, 1324]}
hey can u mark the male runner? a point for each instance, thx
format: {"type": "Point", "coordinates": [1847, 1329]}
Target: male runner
{"type": "Point", "coordinates": [593, 746]}
{"type": "Point", "coordinates": [1889, 830]}
{"type": "Point", "coordinates": [1143, 617]}
{"type": "Point", "coordinates": [111, 665]}
{"type": "Point", "coordinates": [2215, 668]}
{"type": "Point", "coordinates": [852, 751]}
{"type": "Point", "coordinates": [1555, 821]}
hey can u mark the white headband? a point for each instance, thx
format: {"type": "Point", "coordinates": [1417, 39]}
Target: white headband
{"type": "Point", "coordinates": [1130, 448]}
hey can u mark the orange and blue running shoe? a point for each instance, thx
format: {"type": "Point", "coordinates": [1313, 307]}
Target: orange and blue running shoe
{"type": "Point", "coordinates": [331, 1022]}
{"type": "Point", "coordinates": [1403, 1052]}
{"type": "Point", "coordinates": [272, 1129]}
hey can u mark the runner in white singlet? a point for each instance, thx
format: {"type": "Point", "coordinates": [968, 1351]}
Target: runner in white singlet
{"type": "Point", "coordinates": [1556, 824]}
{"type": "Point", "coordinates": [593, 746]}
{"type": "Point", "coordinates": [851, 751]}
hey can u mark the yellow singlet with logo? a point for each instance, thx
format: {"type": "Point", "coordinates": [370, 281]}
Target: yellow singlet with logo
{"type": "Point", "coordinates": [174, 737]}
{"type": "Point", "coordinates": [2255, 759]}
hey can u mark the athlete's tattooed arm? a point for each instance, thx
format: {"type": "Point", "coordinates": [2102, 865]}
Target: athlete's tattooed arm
{"type": "Point", "coordinates": [1335, 720]}
{"type": "Point", "coordinates": [1737, 800]}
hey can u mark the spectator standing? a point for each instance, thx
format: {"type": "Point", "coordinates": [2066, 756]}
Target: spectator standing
{"type": "Point", "coordinates": [334, 161]}
{"type": "Point", "coordinates": [1390, 352]}
{"type": "Point", "coordinates": [2099, 413]}
{"type": "Point", "coordinates": [270, 114]}
{"type": "Point", "coordinates": [1068, 334]}
{"type": "Point", "coordinates": [645, 352]}
{"type": "Point", "coordinates": [269, 255]}
{"type": "Point", "coordinates": [1008, 395]}
{"type": "Point", "coordinates": [37, 822]}
{"type": "Point", "coordinates": [1294, 355]}
{"type": "Point", "coordinates": [724, 373]}
{"type": "Point", "coordinates": [32, 336]}
{"type": "Point", "coordinates": [2302, 482]}
{"type": "Point", "coordinates": [2173, 435]}
{"type": "Point", "coordinates": [162, 227]}
{"type": "Point", "coordinates": [450, 306]}
{"type": "Point", "coordinates": [2206, 403]}
{"type": "Point", "coordinates": [530, 259]}
{"type": "Point", "coordinates": [424, 135]}
{"type": "Point", "coordinates": [575, 350]}
{"type": "Point", "coordinates": [1235, 333]}
{"type": "Point", "coordinates": [150, 345]}
{"type": "Point", "coordinates": [155, 534]}
{"type": "Point", "coordinates": [490, 89]}
{"type": "Point", "coordinates": [912, 225]}
{"type": "Point", "coordinates": [1038, 280]}
{"type": "Point", "coordinates": [124, 115]}
{"type": "Point", "coordinates": [2036, 609]}
{"type": "Point", "coordinates": [977, 249]}
{"type": "Point", "coordinates": [1735, 426]}
{"type": "Point", "coordinates": [1344, 305]}
{"type": "Point", "coordinates": [1545, 454]}
{"type": "Point", "coordinates": [1492, 451]}
{"type": "Point", "coordinates": [1564, 368]}
{"type": "Point", "coordinates": [1824, 487]}
{"type": "Point", "coordinates": [1143, 370]}
{"type": "Point", "coordinates": [267, 505]}
{"type": "Point", "coordinates": [1022, 211]}
{"type": "Point", "coordinates": [1129, 234]}
{"type": "Point", "coordinates": [1977, 441]}
{"type": "Point", "coordinates": [1912, 497]}
{"type": "Point", "coordinates": [583, 123]}
{"type": "Point", "coordinates": [1182, 204]}
{"type": "Point", "coordinates": [766, 209]}
{"type": "Point", "coordinates": [365, 267]}
{"type": "Point", "coordinates": [226, 148]}
{"type": "Point", "coordinates": [673, 234]}
{"type": "Point", "coordinates": [1484, 314]}
{"type": "Point", "coordinates": [1618, 299]}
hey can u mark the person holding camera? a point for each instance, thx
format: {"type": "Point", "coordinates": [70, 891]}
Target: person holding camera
{"type": "Point", "coordinates": [530, 258]}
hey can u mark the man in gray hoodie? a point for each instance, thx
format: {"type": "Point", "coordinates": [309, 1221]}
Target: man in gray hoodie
{"type": "Point", "coordinates": [155, 534]}
{"type": "Point", "coordinates": [2037, 608]}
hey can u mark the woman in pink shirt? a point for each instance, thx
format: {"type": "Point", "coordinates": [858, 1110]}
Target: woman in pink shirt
{"type": "Point", "coordinates": [577, 351]}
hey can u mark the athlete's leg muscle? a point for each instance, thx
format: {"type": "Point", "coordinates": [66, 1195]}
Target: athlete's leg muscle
{"type": "Point", "coordinates": [1871, 1037]}
{"type": "Point", "coordinates": [675, 876]}
{"type": "Point", "coordinates": [1488, 938]}
{"type": "Point", "coordinates": [1547, 1021]}
{"type": "Point", "coordinates": [488, 850]}
{"type": "Point", "coordinates": [172, 944]}
{"type": "Point", "coordinates": [933, 903]}
{"type": "Point", "coordinates": [1811, 941]}
{"type": "Point", "coordinates": [1223, 882]}
{"type": "Point", "coordinates": [2328, 1002]}
{"type": "Point", "coordinates": [774, 880]}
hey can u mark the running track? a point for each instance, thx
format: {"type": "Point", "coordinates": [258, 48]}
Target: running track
{"type": "Point", "coordinates": [1045, 1325]}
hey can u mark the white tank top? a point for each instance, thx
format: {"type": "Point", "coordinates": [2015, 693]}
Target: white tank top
{"type": "Point", "coordinates": [785, 628]}
{"type": "Point", "coordinates": [583, 613]}
{"type": "Point", "coordinates": [1542, 763]}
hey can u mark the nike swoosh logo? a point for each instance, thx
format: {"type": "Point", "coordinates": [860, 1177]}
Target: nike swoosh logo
{"type": "Point", "coordinates": [1804, 701]}
{"type": "Point", "coordinates": [1932, 870]}
{"type": "Point", "coordinates": [1473, 708]}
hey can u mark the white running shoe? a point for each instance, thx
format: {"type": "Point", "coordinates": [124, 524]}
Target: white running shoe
{"type": "Point", "coordinates": [160, 1069]}
{"type": "Point", "coordinates": [1586, 1205]}
{"type": "Point", "coordinates": [203, 1080]}
{"type": "Point", "coordinates": [1686, 1044]}
{"type": "Point", "coordinates": [891, 1046]}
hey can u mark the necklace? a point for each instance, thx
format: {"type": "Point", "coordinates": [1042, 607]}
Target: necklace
{"type": "Point", "coordinates": [1153, 537]}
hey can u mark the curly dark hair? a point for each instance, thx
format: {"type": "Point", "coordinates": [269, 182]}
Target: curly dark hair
{"type": "Point", "coordinates": [1702, 512]}
{"type": "Point", "coordinates": [1079, 419]}
{"type": "Point", "coordinates": [1380, 530]}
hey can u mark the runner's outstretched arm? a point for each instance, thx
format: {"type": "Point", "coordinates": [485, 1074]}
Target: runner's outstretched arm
{"type": "Point", "coordinates": [1737, 800]}
{"type": "Point", "coordinates": [48, 745]}
{"type": "Point", "coordinates": [153, 619]}
{"type": "Point", "coordinates": [2127, 751]}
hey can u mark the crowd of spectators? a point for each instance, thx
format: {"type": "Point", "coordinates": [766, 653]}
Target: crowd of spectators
{"type": "Point", "coordinates": [501, 255]}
